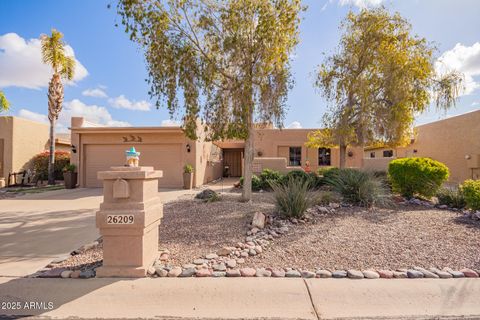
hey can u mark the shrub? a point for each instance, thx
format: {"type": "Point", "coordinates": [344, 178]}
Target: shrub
{"type": "Point", "coordinates": [256, 183]}
{"type": "Point", "coordinates": [326, 197]}
{"type": "Point", "coordinates": [301, 175]}
{"type": "Point", "coordinates": [70, 168]}
{"type": "Point", "coordinates": [417, 176]}
{"type": "Point", "coordinates": [188, 168]}
{"type": "Point", "coordinates": [40, 164]}
{"type": "Point", "coordinates": [267, 176]}
{"type": "Point", "coordinates": [471, 192]}
{"type": "Point", "coordinates": [452, 197]}
{"type": "Point", "coordinates": [322, 170]}
{"type": "Point", "coordinates": [293, 197]}
{"type": "Point", "coordinates": [359, 187]}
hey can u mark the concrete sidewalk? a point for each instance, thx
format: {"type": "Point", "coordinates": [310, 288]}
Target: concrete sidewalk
{"type": "Point", "coordinates": [240, 298]}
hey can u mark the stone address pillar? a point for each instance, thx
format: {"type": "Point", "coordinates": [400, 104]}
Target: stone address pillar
{"type": "Point", "coordinates": [128, 220]}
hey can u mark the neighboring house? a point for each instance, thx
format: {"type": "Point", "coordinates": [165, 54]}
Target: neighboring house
{"type": "Point", "coordinates": [455, 141]}
{"type": "Point", "coordinates": [20, 140]}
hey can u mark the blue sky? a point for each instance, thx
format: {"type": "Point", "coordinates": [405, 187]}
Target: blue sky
{"type": "Point", "coordinates": [110, 87]}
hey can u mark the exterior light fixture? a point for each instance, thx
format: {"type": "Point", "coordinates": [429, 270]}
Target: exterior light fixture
{"type": "Point", "coordinates": [188, 148]}
{"type": "Point", "coordinates": [468, 157]}
{"type": "Point", "coordinates": [74, 149]}
{"type": "Point", "coordinates": [350, 153]}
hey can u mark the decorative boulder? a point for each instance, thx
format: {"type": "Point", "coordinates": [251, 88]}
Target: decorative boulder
{"type": "Point", "coordinates": [258, 220]}
{"type": "Point", "coordinates": [206, 194]}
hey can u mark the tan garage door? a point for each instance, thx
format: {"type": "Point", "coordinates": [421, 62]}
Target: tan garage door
{"type": "Point", "coordinates": [166, 157]}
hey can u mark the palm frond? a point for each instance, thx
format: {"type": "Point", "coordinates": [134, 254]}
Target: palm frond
{"type": "Point", "coordinates": [53, 53]}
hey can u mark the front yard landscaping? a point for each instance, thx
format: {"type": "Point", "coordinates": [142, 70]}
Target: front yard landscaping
{"type": "Point", "coordinates": [342, 223]}
{"type": "Point", "coordinates": [330, 237]}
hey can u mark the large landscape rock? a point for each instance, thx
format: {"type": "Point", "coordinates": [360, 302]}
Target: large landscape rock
{"type": "Point", "coordinates": [258, 220]}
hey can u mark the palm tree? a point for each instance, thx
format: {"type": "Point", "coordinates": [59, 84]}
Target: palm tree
{"type": "Point", "coordinates": [53, 54]}
{"type": "Point", "coordinates": [4, 104]}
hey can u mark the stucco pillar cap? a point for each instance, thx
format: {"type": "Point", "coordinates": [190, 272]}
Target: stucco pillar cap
{"type": "Point", "coordinates": [130, 173]}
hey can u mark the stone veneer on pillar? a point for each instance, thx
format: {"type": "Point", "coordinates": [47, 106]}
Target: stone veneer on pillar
{"type": "Point", "coordinates": [128, 220]}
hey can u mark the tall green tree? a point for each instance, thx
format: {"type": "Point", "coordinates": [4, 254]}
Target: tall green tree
{"type": "Point", "coordinates": [378, 79]}
{"type": "Point", "coordinates": [4, 104]}
{"type": "Point", "coordinates": [228, 61]}
{"type": "Point", "coordinates": [63, 67]}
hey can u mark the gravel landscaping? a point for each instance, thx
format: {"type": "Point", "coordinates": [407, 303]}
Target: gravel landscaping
{"type": "Point", "coordinates": [413, 240]}
{"type": "Point", "coordinates": [381, 239]}
{"type": "Point", "coordinates": [191, 228]}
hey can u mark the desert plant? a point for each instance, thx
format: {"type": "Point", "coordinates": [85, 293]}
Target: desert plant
{"type": "Point", "coordinates": [326, 197]}
{"type": "Point", "coordinates": [188, 168]}
{"type": "Point", "coordinates": [452, 197]}
{"type": "Point", "coordinates": [268, 175]}
{"type": "Point", "coordinates": [417, 176]}
{"type": "Point", "coordinates": [69, 168]}
{"type": "Point", "coordinates": [322, 170]}
{"type": "Point", "coordinates": [292, 198]}
{"type": "Point", "coordinates": [40, 164]}
{"type": "Point", "coordinates": [256, 183]}
{"type": "Point", "coordinates": [471, 192]}
{"type": "Point", "coordinates": [359, 187]}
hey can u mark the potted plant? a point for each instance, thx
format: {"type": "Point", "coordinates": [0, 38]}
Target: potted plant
{"type": "Point", "coordinates": [188, 176]}
{"type": "Point", "coordinates": [70, 176]}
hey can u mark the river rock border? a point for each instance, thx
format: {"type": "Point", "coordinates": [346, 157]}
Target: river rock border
{"type": "Point", "coordinates": [228, 260]}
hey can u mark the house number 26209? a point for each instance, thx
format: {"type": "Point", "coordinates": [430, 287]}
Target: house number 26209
{"type": "Point", "coordinates": [120, 219]}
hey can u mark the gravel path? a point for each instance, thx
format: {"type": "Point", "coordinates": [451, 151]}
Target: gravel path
{"type": "Point", "coordinates": [361, 239]}
{"type": "Point", "coordinates": [191, 228]}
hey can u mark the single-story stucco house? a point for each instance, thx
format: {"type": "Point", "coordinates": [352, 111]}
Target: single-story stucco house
{"type": "Point", "coordinates": [453, 141]}
{"type": "Point", "coordinates": [21, 140]}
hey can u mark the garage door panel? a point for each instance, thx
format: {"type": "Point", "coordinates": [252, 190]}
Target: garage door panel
{"type": "Point", "coordinates": [165, 157]}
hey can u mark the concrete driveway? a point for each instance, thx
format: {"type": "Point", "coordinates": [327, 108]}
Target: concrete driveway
{"type": "Point", "coordinates": [37, 228]}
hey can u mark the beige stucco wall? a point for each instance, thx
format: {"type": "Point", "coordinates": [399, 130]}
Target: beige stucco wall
{"type": "Point", "coordinates": [208, 165]}
{"type": "Point", "coordinates": [23, 139]}
{"type": "Point", "coordinates": [198, 157]}
{"type": "Point", "coordinates": [449, 141]}
{"type": "Point", "coordinates": [275, 143]}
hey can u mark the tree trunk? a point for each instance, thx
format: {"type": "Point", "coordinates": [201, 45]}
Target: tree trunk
{"type": "Point", "coordinates": [248, 160]}
{"type": "Point", "coordinates": [51, 158]}
{"type": "Point", "coordinates": [343, 155]}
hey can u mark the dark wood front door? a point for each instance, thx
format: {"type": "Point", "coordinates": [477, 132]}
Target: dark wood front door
{"type": "Point", "coordinates": [233, 159]}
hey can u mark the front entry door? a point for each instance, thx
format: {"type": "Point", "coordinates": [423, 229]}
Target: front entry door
{"type": "Point", "coordinates": [233, 159]}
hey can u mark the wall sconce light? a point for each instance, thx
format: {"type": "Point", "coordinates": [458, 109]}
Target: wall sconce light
{"type": "Point", "coordinates": [468, 157]}
{"type": "Point", "coordinates": [74, 149]}
{"type": "Point", "coordinates": [188, 148]}
{"type": "Point", "coordinates": [415, 150]}
{"type": "Point", "coordinates": [350, 153]}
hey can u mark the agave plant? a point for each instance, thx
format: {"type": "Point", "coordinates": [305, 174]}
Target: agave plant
{"type": "Point", "coordinates": [63, 66]}
{"type": "Point", "coordinates": [359, 187]}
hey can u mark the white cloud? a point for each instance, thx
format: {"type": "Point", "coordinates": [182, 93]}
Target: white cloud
{"type": "Point", "coordinates": [97, 93]}
{"type": "Point", "coordinates": [76, 108]}
{"type": "Point", "coordinates": [91, 113]}
{"type": "Point", "coordinates": [359, 3]}
{"type": "Point", "coordinates": [464, 59]}
{"type": "Point", "coordinates": [21, 63]}
{"type": "Point", "coordinates": [121, 102]}
{"type": "Point", "coordinates": [30, 115]}
{"type": "Point", "coordinates": [294, 125]}
{"type": "Point", "coordinates": [170, 123]}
